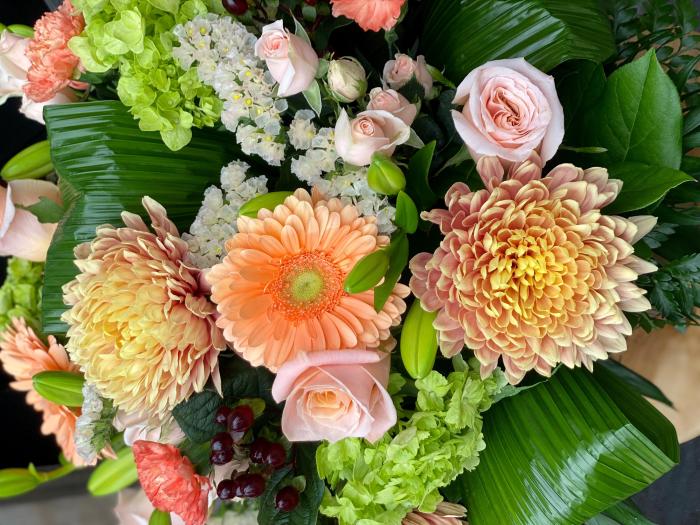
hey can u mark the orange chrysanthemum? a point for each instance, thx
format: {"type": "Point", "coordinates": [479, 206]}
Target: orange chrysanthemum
{"type": "Point", "coordinates": [140, 324]}
{"type": "Point", "coordinates": [23, 355]}
{"type": "Point", "coordinates": [445, 514]}
{"type": "Point", "coordinates": [171, 483]}
{"type": "Point", "coordinates": [280, 288]}
{"type": "Point", "coordinates": [530, 270]}
{"type": "Point", "coordinates": [370, 15]}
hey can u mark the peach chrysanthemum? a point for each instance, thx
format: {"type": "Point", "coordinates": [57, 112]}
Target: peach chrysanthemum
{"type": "Point", "coordinates": [140, 325]}
{"type": "Point", "coordinates": [280, 288]}
{"type": "Point", "coordinates": [530, 270]}
{"type": "Point", "coordinates": [171, 483]}
{"type": "Point", "coordinates": [53, 64]}
{"type": "Point", "coordinates": [23, 355]}
{"type": "Point", "coordinates": [370, 15]}
{"type": "Point", "coordinates": [445, 514]}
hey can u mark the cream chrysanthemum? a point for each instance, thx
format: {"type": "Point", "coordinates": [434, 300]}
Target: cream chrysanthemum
{"type": "Point", "coordinates": [280, 288]}
{"type": "Point", "coordinates": [140, 324]}
{"type": "Point", "coordinates": [531, 271]}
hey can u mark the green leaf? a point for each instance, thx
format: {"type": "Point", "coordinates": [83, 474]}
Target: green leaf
{"type": "Point", "coordinates": [306, 512]}
{"type": "Point", "coordinates": [61, 388]}
{"type": "Point", "coordinates": [419, 341]}
{"type": "Point", "coordinates": [47, 211]}
{"type": "Point", "coordinates": [465, 34]}
{"type": "Point", "coordinates": [643, 185]}
{"type": "Point", "coordinates": [624, 513]}
{"type": "Point", "coordinates": [579, 85]}
{"type": "Point", "coordinates": [638, 117]}
{"type": "Point", "coordinates": [113, 475]}
{"type": "Point", "coordinates": [417, 180]}
{"type": "Point", "coordinates": [107, 165]}
{"type": "Point", "coordinates": [267, 201]}
{"type": "Point", "coordinates": [16, 481]}
{"type": "Point", "coordinates": [398, 259]}
{"type": "Point", "coordinates": [406, 213]}
{"type": "Point", "coordinates": [639, 383]}
{"type": "Point", "coordinates": [367, 272]}
{"type": "Point", "coordinates": [566, 450]}
{"type": "Point", "coordinates": [313, 97]}
{"type": "Point", "coordinates": [171, 6]}
{"type": "Point", "coordinates": [158, 517]}
{"type": "Point", "coordinates": [196, 416]}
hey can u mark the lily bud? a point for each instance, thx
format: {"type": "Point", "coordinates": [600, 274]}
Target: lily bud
{"type": "Point", "coordinates": [384, 176]}
{"type": "Point", "coordinates": [347, 79]}
{"type": "Point", "coordinates": [62, 388]}
{"type": "Point", "coordinates": [16, 481]}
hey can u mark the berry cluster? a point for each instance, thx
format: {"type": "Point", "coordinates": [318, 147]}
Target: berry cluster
{"type": "Point", "coordinates": [264, 455]}
{"type": "Point", "coordinates": [235, 7]}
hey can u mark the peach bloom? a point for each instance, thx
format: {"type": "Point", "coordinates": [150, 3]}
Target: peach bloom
{"type": "Point", "coordinates": [133, 508]}
{"type": "Point", "coordinates": [370, 132]}
{"type": "Point", "coordinates": [510, 109]}
{"type": "Point", "coordinates": [333, 395]}
{"type": "Point", "coordinates": [171, 483]}
{"type": "Point", "coordinates": [370, 15]}
{"type": "Point", "coordinates": [21, 233]}
{"type": "Point", "coordinates": [13, 65]}
{"type": "Point", "coordinates": [531, 271]}
{"type": "Point", "coordinates": [23, 355]}
{"type": "Point", "coordinates": [140, 324]}
{"type": "Point", "coordinates": [445, 514]}
{"type": "Point", "coordinates": [137, 427]}
{"type": "Point", "coordinates": [53, 65]}
{"type": "Point", "coordinates": [393, 102]}
{"type": "Point", "coordinates": [291, 60]}
{"type": "Point", "coordinates": [279, 289]}
{"type": "Point", "coordinates": [400, 71]}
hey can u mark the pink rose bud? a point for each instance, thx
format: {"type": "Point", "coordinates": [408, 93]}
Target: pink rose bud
{"type": "Point", "coordinates": [291, 60]}
{"type": "Point", "coordinates": [510, 110]}
{"type": "Point", "coordinates": [400, 71]}
{"type": "Point", "coordinates": [371, 131]}
{"type": "Point", "coordinates": [393, 102]}
{"type": "Point", "coordinates": [335, 394]}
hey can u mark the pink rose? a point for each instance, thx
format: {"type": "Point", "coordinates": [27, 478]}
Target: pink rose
{"type": "Point", "coordinates": [291, 60]}
{"type": "Point", "coordinates": [371, 131]}
{"type": "Point", "coordinates": [13, 65]}
{"type": "Point", "coordinates": [393, 102]}
{"type": "Point", "coordinates": [400, 71]}
{"type": "Point", "coordinates": [21, 233]}
{"type": "Point", "coordinates": [133, 508]}
{"type": "Point", "coordinates": [334, 394]}
{"type": "Point", "coordinates": [510, 109]}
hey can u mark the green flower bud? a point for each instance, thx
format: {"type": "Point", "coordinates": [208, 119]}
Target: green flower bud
{"type": "Point", "coordinates": [62, 388]}
{"type": "Point", "coordinates": [159, 518]}
{"type": "Point", "coordinates": [419, 341]}
{"type": "Point", "coordinates": [16, 481]}
{"type": "Point", "coordinates": [267, 201]}
{"type": "Point", "coordinates": [33, 162]}
{"type": "Point", "coordinates": [113, 475]}
{"type": "Point", "coordinates": [384, 176]}
{"type": "Point", "coordinates": [367, 273]}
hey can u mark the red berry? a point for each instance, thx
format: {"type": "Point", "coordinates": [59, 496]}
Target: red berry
{"type": "Point", "coordinates": [276, 456]}
{"type": "Point", "coordinates": [287, 499]}
{"type": "Point", "coordinates": [311, 2]}
{"type": "Point", "coordinates": [258, 450]}
{"type": "Point", "coordinates": [250, 485]}
{"type": "Point", "coordinates": [221, 416]}
{"type": "Point", "coordinates": [235, 7]}
{"type": "Point", "coordinates": [221, 458]}
{"type": "Point", "coordinates": [226, 489]}
{"type": "Point", "coordinates": [221, 442]}
{"type": "Point", "coordinates": [241, 419]}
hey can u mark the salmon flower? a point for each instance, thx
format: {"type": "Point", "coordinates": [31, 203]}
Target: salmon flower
{"type": "Point", "coordinates": [53, 64]}
{"type": "Point", "coordinates": [171, 483]}
{"type": "Point", "coordinates": [140, 324]}
{"type": "Point", "coordinates": [280, 288]}
{"type": "Point", "coordinates": [531, 271]}
{"type": "Point", "coordinates": [23, 355]}
{"type": "Point", "coordinates": [370, 15]}
{"type": "Point", "coordinates": [445, 514]}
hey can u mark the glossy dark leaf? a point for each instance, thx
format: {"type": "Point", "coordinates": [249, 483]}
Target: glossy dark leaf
{"type": "Point", "coordinates": [367, 272]}
{"type": "Point", "coordinates": [641, 384]}
{"type": "Point", "coordinates": [417, 179]}
{"type": "Point", "coordinates": [406, 213]}
{"type": "Point", "coordinates": [398, 259]}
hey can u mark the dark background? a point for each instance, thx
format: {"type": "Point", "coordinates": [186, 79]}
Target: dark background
{"type": "Point", "coordinates": [673, 500]}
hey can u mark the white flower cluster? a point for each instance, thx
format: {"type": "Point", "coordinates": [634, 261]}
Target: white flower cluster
{"type": "Point", "coordinates": [216, 221]}
{"type": "Point", "coordinates": [85, 425]}
{"type": "Point", "coordinates": [223, 51]}
{"type": "Point", "coordinates": [317, 167]}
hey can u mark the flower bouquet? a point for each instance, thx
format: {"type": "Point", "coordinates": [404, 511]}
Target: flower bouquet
{"type": "Point", "coordinates": [357, 262]}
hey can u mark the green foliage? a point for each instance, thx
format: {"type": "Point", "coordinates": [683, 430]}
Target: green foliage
{"type": "Point", "coordinates": [378, 484]}
{"type": "Point", "coordinates": [566, 450]}
{"type": "Point", "coordinates": [20, 294]}
{"type": "Point", "coordinates": [136, 37]}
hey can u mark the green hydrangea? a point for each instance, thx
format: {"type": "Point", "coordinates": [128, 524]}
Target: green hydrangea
{"type": "Point", "coordinates": [378, 484]}
{"type": "Point", "coordinates": [136, 37]}
{"type": "Point", "coordinates": [20, 294]}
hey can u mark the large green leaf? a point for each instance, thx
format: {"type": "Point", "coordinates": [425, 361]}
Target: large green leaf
{"type": "Point", "coordinates": [463, 34]}
{"type": "Point", "coordinates": [106, 165]}
{"type": "Point", "coordinates": [638, 117]}
{"type": "Point", "coordinates": [567, 450]}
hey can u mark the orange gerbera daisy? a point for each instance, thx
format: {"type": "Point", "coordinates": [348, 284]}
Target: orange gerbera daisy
{"type": "Point", "coordinates": [23, 355]}
{"type": "Point", "coordinates": [280, 288]}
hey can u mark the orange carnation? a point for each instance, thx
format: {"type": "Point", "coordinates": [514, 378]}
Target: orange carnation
{"type": "Point", "coordinates": [370, 15]}
{"type": "Point", "coordinates": [280, 288]}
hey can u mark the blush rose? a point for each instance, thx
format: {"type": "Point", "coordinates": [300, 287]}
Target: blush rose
{"type": "Point", "coordinates": [399, 72]}
{"type": "Point", "coordinates": [393, 102]}
{"type": "Point", "coordinates": [370, 132]}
